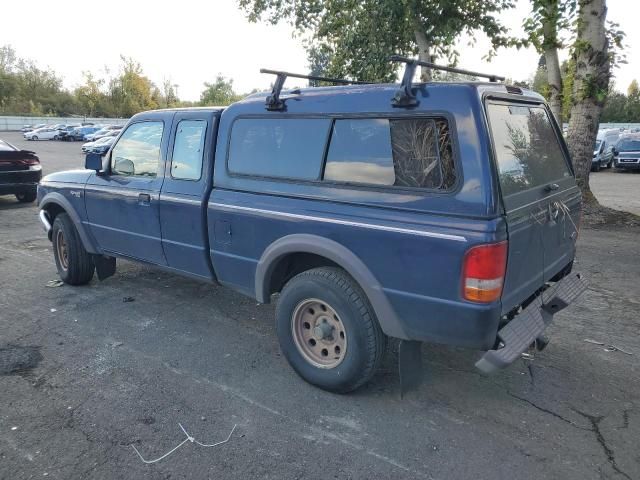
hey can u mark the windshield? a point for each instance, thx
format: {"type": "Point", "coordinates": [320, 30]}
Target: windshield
{"type": "Point", "coordinates": [629, 145]}
{"type": "Point", "coordinates": [528, 152]}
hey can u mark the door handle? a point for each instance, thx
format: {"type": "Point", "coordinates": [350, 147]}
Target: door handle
{"type": "Point", "coordinates": [144, 199]}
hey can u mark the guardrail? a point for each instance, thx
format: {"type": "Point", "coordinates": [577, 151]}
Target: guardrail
{"type": "Point", "coordinates": [15, 123]}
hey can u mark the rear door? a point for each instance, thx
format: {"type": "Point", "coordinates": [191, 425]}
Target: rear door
{"type": "Point", "coordinates": [539, 194]}
{"type": "Point", "coordinates": [183, 195]}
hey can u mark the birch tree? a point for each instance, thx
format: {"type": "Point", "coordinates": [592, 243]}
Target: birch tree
{"type": "Point", "coordinates": [594, 53]}
{"type": "Point", "coordinates": [548, 19]}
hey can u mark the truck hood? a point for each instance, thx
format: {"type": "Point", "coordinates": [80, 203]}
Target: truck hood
{"type": "Point", "coordinates": [79, 176]}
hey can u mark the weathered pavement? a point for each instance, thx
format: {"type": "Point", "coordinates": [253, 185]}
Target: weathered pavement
{"type": "Point", "coordinates": [111, 374]}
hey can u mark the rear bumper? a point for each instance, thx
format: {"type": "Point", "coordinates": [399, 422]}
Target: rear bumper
{"type": "Point", "coordinates": [517, 335]}
{"type": "Point", "coordinates": [19, 181]}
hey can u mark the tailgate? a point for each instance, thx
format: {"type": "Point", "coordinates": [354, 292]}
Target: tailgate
{"type": "Point", "coordinates": [541, 200]}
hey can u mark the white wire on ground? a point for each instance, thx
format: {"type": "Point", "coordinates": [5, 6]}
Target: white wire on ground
{"type": "Point", "coordinates": [188, 439]}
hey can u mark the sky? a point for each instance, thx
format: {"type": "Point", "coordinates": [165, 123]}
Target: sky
{"type": "Point", "coordinates": [191, 41]}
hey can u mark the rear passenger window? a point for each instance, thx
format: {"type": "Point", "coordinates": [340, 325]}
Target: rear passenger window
{"type": "Point", "coordinates": [393, 152]}
{"type": "Point", "coordinates": [278, 147]}
{"type": "Point", "coordinates": [188, 148]}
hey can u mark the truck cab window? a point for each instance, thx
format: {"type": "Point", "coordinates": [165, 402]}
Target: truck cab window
{"type": "Point", "coordinates": [188, 148]}
{"type": "Point", "coordinates": [138, 150]}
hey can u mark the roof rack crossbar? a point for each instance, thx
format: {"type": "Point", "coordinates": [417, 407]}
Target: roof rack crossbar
{"type": "Point", "coordinates": [433, 66]}
{"type": "Point", "coordinates": [405, 96]}
{"type": "Point", "coordinates": [274, 102]}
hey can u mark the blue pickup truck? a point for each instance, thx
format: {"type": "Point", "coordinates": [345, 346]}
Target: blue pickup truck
{"type": "Point", "coordinates": [434, 212]}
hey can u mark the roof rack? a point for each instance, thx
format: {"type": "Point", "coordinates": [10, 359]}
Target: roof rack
{"type": "Point", "coordinates": [405, 97]}
{"type": "Point", "coordinates": [275, 103]}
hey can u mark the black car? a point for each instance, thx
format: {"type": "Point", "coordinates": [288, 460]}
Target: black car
{"type": "Point", "coordinates": [64, 133]}
{"type": "Point", "coordinates": [20, 172]}
{"type": "Point", "coordinates": [627, 152]}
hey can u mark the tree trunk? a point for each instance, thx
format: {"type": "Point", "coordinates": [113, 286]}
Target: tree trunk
{"type": "Point", "coordinates": [590, 87]}
{"type": "Point", "coordinates": [424, 54]}
{"type": "Point", "coordinates": [555, 83]}
{"type": "Point", "coordinates": [550, 46]}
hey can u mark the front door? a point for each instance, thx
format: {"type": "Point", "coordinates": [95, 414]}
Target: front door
{"type": "Point", "coordinates": [123, 203]}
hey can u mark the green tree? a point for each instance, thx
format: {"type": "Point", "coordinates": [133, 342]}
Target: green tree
{"type": "Point", "coordinates": [544, 28]}
{"type": "Point", "coordinates": [132, 92]}
{"type": "Point", "coordinates": [90, 95]}
{"type": "Point", "coordinates": [359, 35]}
{"type": "Point", "coordinates": [218, 93]}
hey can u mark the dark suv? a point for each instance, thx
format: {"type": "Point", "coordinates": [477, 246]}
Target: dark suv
{"type": "Point", "coordinates": [438, 212]}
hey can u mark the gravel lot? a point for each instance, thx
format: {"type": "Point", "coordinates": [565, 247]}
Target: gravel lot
{"type": "Point", "coordinates": [101, 375]}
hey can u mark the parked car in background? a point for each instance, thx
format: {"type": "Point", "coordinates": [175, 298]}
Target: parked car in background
{"type": "Point", "coordinates": [78, 134]}
{"type": "Point", "coordinates": [20, 172]}
{"type": "Point", "coordinates": [602, 155]}
{"type": "Point", "coordinates": [31, 128]}
{"type": "Point", "coordinates": [627, 152]}
{"type": "Point", "coordinates": [46, 133]}
{"type": "Point", "coordinates": [102, 145]}
{"type": "Point", "coordinates": [103, 132]}
{"type": "Point", "coordinates": [64, 133]}
{"type": "Point", "coordinates": [89, 146]}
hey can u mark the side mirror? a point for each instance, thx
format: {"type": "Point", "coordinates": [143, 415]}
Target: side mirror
{"type": "Point", "coordinates": [93, 161]}
{"type": "Point", "coordinates": [614, 150]}
{"type": "Point", "coordinates": [124, 166]}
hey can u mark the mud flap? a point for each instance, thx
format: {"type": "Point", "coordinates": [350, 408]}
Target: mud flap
{"type": "Point", "coordinates": [105, 266]}
{"type": "Point", "coordinates": [528, 325]}
{"type": "Point", "coordinates": [410, 366]}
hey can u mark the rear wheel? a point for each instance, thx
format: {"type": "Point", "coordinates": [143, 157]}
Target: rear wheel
{"type": "Point", "coordinates": [75, 265]}
{"type": "Point", "coordinates": [27, 196]}
{"type": "Point", "coordinates": [328, 331]}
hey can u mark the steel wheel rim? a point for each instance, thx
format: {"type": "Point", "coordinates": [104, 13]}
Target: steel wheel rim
{"type": "Point", "coordinates": [319, 334]}
{"type": "Point", "coordinates": [62, 250]}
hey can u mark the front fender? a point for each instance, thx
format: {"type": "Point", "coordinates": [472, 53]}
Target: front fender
{"type": "Point", "coordinates": [342, 256]}
{"type": "Point", "coordinates": [58, 201]}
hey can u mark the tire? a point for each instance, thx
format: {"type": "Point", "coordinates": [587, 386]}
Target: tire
{"type": "Point", "coordinates": [322, 310]}
{"type": "Point", "coordinates": [35, 137]}
{"type": "Point", "coordinates": [596, 168]}
{"type": "Point", "coordinates": [56, 137]}
{"type": "Point", "coordinates": [75, 265]}
{"type": "Point", "coordinates": [27, 196]}
{"type": "Point", "coordinates": [610, 164]}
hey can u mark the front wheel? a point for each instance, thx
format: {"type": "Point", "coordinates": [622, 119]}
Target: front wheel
{"type": "Point", "coordinates": [328, 331]}
{"type": "Point", "coordinates": [75, 265]}
{"type": "Point", "coordinates": [35, 137]}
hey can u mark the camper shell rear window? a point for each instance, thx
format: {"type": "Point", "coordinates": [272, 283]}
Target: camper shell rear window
{"type": "Point", "coordinates": [527, 150]}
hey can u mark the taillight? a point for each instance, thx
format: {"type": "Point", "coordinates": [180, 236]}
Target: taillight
{"type": "Point", "coordinates": [483, 272]}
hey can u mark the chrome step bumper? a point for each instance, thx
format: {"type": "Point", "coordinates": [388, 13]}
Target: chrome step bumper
{"type": "Point", "coordinates": [517, 335]}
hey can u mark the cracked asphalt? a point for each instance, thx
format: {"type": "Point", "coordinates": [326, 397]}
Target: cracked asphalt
{"type": "Point", "coordinates": [99, 375]}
